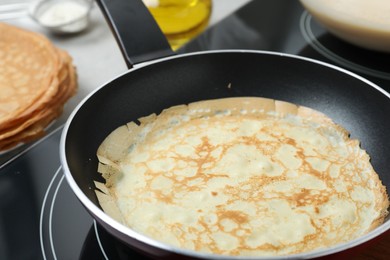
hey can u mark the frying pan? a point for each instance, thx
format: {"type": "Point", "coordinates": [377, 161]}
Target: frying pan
{"type": "Point", "coordinates": [167, 80]}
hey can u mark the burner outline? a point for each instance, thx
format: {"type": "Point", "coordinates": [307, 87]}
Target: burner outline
{"type": "Point", "coordinates": [51, 211]}
{"type": "Point", "coordinates": [99, 241]}
{"type": "Point", "coordinates": [51, 215]}
{"type": "Point", "coordinates": [52, 186]}
{"type": "Point", "coordinates": [308, 35]}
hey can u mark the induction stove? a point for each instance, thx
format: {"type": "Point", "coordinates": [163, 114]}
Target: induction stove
{"type": "Point", "coordinates": [40, 217]}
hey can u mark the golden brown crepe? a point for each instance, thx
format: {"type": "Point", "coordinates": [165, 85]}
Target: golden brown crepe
{"type": "Point", "coordinates": [240, 176]}
{"type": "Point", "coordinates": [36, 80]}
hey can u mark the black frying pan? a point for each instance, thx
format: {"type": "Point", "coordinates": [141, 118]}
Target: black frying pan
{"type": "Point", "coordinates": [357, 104]}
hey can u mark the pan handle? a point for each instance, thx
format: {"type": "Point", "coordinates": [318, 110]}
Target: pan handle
{"type": "Point", "coordinates": [135, 30]}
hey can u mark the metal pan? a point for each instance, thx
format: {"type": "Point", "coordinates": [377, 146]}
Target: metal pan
{"type": "Point", "coordinates": [352, 101]}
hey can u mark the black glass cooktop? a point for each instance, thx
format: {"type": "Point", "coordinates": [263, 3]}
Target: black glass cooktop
{"type": "Point", "coordinates": [40, 218]}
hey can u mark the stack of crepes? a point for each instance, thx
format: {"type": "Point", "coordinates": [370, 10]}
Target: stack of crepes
{"type": "Point", "coordinates": [36, 80]}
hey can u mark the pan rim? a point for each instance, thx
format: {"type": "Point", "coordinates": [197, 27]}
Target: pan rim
{"type": "Point", "coordinates": [124, 230]}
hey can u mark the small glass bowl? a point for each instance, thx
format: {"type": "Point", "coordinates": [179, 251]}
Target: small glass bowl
{"type": "Point", "coordinates": [62, 16]}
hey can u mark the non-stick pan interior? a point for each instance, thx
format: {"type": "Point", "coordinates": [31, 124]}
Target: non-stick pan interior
{"type": "Point", "coordinates": [357, 105]}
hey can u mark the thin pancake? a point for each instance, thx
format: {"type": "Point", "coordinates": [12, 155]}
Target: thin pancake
{"type": "Point", "coordinates": [37, 80]}
{"type": "Point", "coordinates": [29, 63]}
{"type": "Point", "coordinates": [241, 176]}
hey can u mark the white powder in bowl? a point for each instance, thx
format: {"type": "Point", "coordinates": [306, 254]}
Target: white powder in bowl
{"type": "Point", "coordinates": [64, 13]}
